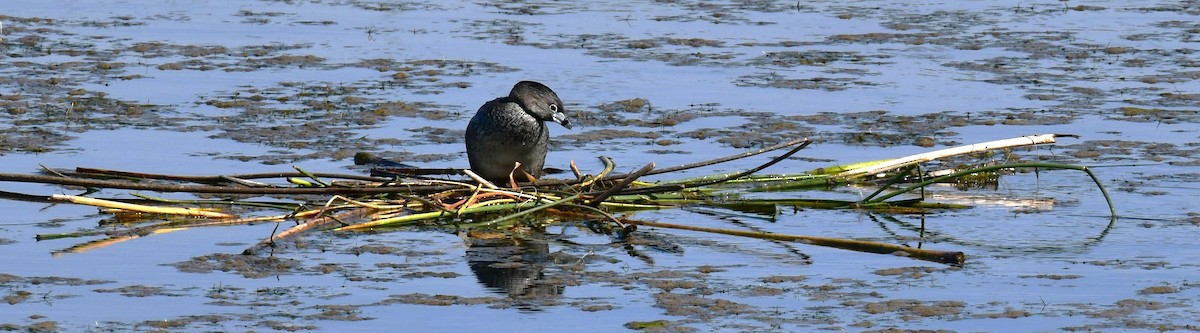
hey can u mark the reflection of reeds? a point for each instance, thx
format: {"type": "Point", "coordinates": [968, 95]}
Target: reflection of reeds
{"type": "Point", "coordinates": [362, 203]}
{"type": "Point", "coordinates": [956, 258]}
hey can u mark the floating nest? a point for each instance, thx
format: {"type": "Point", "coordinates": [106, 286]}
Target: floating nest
{"type": "Point", "coordinates": [398, 197]}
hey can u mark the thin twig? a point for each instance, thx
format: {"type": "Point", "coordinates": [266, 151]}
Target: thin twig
{"type": "Point", "coordinates": [595, 201]}
{"type": "Point", "coordinates": [307, 225]}
{"type": "Point", "coordinates": [311, 176]}
{"type": "Point", "coordinates": [803, 142]}
{"type": "Point", "coordinates": [52, 171]}
{"type": "Point", "coordinates": [676, 187]}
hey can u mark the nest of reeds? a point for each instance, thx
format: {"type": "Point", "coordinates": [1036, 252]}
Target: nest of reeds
{"type": "Point", "coordinates": [399, 197]}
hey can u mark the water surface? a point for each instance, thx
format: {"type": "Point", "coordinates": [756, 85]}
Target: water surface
{"type": "Point", "coordinates": [222, 87]}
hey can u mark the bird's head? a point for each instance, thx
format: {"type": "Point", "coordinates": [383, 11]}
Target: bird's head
{"type": "Point", "coordinates": [538, 100]}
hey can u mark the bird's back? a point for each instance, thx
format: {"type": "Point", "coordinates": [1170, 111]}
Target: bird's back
{"type": "Point", "coordinates": [502, 133]}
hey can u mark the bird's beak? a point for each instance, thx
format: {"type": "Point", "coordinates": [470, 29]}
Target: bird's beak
{"type": "Point", "coordinates": [562, 119]}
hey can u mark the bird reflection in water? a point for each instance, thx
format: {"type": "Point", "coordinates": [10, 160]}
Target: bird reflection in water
{"type": "Point", "coordinates": [509, 265]}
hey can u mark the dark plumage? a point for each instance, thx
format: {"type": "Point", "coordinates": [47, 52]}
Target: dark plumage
{"type": "Point", "coordinates": [513, 129]}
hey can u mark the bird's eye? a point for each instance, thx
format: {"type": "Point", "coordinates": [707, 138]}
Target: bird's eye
{"type": "Point", "coordinates": [553, 107]}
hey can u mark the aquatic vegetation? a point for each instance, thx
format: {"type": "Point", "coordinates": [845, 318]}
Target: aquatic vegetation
{"type": "Point", "coordinates": [409, 198]}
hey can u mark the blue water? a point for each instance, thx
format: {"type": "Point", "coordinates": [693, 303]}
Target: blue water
{"type": "Point", "coordinates": [1030, 227]}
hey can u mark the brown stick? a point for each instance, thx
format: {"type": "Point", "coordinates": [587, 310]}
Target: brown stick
{"type": "Point", "coordinates": [220, 179]}
{"type": "Point", "coordinates": [952, 258]}
{"type": "Point", "coordinates": [128, 185]}
{"type": "Point", "coordinates": [307, 225]}
{"type": "Point", "coordinates": [595, 201]}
